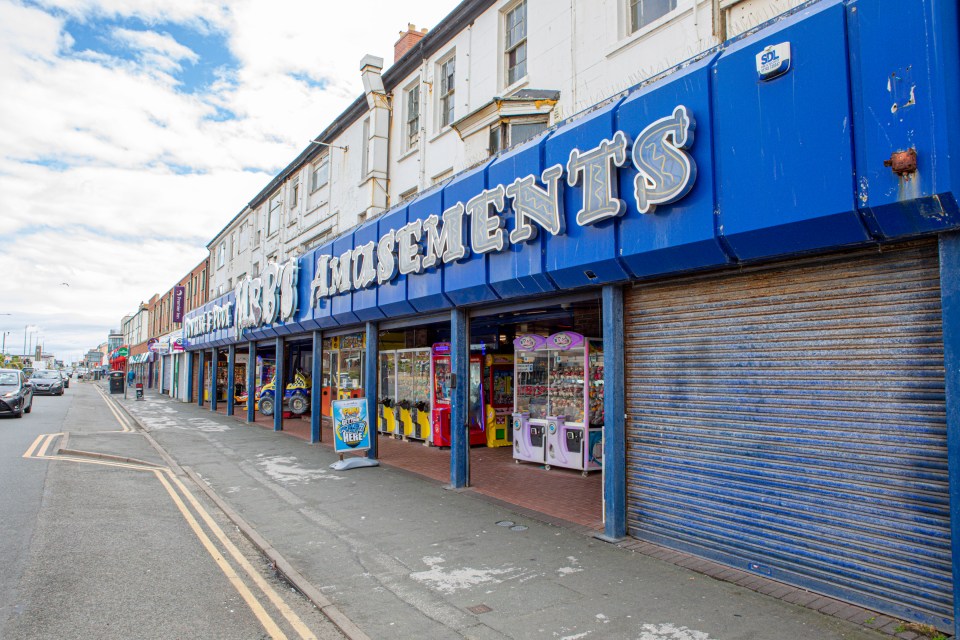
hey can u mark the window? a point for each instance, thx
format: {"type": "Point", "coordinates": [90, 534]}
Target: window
{"type": "Point", "coordinates": [220, 253]}
{"type": "Point", "coordinates": [447, 86]}
{"type": "Point", "coordinates": [233, 244]}
{"type": "Point", "coordinates": [273, 217]}
{"type": "Point", "coordinates": [320, 174]}
{"type": "Point", "coordinates": [643, 12]}
{"type": "Point", "coordinates": [506, 134]}
{"type": "Point", "coordinates": [413, 115]}
{"type": "Point", "coordinates": [294, 192]}
{"type": "Point", "coordinates": [515, 45]}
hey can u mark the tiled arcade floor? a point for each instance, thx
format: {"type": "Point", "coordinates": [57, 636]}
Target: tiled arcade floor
{"type": "Point", "coordinates": [559, 493]}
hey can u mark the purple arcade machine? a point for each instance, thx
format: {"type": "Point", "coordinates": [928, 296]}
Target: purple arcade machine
{"type": "Point", "coordinates": [558, 417]}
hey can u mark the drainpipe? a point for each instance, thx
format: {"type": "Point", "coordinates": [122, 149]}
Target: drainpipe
{"type": "Point", "coordinates": [378, 142]}
{"type": "Point", "coordinates": [719, 23]}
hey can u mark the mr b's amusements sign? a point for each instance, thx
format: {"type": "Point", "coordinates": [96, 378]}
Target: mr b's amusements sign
{"type": "Point", "coordinates": [666, 173]}
{"type": "Point", "coordinates": [270, 298]}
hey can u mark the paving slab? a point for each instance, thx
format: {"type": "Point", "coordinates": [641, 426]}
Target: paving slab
{"type": "Point", "coordinates": [403, 557]}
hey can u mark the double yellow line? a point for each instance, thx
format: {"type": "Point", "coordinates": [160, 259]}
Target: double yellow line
{"type": "Point", "coordinates": [181, 496]}
{"type": "Point", "coordinates": [111, 404]}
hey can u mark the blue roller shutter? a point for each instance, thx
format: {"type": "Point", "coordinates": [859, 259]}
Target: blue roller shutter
{"type": "Point", "coordinates": [789, 420]}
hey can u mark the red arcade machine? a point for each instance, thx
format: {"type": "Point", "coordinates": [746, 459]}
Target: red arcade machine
{"type": "Point", "coordinates": [440, 374]}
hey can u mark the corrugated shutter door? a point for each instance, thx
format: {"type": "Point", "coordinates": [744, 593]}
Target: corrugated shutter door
{"type": "Point", "coordinates": [790, 420]}
{"type": "Point", "coordinates": [167, 373]}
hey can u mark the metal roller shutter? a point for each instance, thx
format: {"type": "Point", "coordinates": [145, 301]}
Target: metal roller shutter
{"type": "Point", "coordinates": [167, 373]}
{"type": "Point", "coordinates": [790, 420]}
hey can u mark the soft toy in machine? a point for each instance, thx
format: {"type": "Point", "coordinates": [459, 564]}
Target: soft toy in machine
{"type": "Point", "coordinates": [296, 397]}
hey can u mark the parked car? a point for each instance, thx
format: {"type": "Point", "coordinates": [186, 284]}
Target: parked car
{"type": "Point", "coordinates": [66, 379]}
{"type": "Point", "coordinates": [47, 382]}
{"type": "Point", "coordinates": [16, 393]}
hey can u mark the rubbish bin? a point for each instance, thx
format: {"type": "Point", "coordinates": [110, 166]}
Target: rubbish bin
{"type": "Point", "coordinates": [139, 388]}
{"type": "Point", "coordinates": [116, 381]}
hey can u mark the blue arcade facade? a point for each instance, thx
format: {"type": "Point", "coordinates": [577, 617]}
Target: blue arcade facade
{"type": "Point", "coordinates": [768, 235]}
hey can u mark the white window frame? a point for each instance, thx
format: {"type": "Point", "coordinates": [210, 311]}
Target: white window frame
{"type": "Point", "coordinates": [520, 44]}
{"type": "Point", "coordinates": [274, 205]}
{"type": "Point", "coordinates": [633, 28]}
{"type": "Point", "coordinates": [412, 139]}
{"type": "Point", "coordinates": [221, 253]}
{"type": "Point", "coordinates": [446, 95]}
{"type": "Point", "coordinates": [320, 171]}
{"type": "Point", "coordinates": [506, 130]}
{"type": "Point", "coordinates": [295, 192]}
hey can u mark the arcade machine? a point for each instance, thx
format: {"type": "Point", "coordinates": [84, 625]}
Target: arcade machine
{"type": "Point", "coordinates": [440, 373]}
{"type": "Point", "coordinates": [349, 378]}
{"type": "Point", "coordinates": [498, 399]}
{"type": "Point", "coordinates": [342, 371]}
{"type": "Point", "coordinates": [559, 401]}
{"type": "Point", "coordinates": [413, 393]}
{"type": "Point", "coordinates": [387, 418]}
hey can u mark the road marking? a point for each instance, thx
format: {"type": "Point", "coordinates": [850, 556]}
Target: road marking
{"type": "Point", "coordinates": [110, 402]}
{"type": "Point", "coordinates": [39, 447]}
{"type": "Point", "coordinates": [264, 586]}
{"type": "Point", "coordinates": [238, 584]}
{"type": "Point", "coordinates": [39, 451]}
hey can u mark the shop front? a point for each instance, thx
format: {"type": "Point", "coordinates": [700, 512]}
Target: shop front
{"type": "Point", "coordinates": [729, 319]}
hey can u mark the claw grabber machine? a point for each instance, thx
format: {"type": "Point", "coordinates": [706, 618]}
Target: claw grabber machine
{"type": "Point", "coordinates": [440, 374]}
{"type": "Point", "coordinates": [498, 399]}
{"type": "Point", "coordinates": [559, 401]}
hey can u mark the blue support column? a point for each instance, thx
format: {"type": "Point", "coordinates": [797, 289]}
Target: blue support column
{"type": "Point", "coordinates": [279, 387]}
{"type": "Point", "coordinates": [251, 381]}
{"type": "Point", "coordinates": [370, 381]}
{"type": "Point", "coordinates": [950, 301]}
{"type": "Point", "coordinates": [202, 364]}
{"type": "Point", "coordinates": [214, 371]}
{"type": "Point", "coordinates": [316, 400]}
{"type": "Point", "coordinates": [459, 429]}
{"type": "Point", "coordinates": [189, 397]}
{"type": "Point", "coordinates": [231, 376]}
{"type": "Point", "coordinates": [614, 425]}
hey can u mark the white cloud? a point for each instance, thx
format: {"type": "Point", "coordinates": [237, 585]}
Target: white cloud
{"type": "Point", "coordinates": [114, 175]}
{"type": "Point", "coordinates": [157, 50]}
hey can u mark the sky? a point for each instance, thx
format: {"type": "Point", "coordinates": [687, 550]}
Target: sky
{"type": "Point", "coordinates": [132, 131]}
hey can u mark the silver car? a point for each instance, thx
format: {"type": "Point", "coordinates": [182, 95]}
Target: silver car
{"type": "Point", "coordinates": [47, 382]}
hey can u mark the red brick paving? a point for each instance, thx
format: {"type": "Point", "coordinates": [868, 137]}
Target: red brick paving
{"type": "Point", "coordinates": [559, 493]}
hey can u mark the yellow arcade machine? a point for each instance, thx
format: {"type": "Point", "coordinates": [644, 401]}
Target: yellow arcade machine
{"type": "Point", "coordinates": [413, 394]}
{"type": "Point", "coordinates": [498, 399]}
{"type": "Point", "coordinates": [387, 420]}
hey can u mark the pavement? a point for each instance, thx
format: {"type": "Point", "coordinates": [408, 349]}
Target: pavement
{"type": "Point", "coordinates": [390, 554]}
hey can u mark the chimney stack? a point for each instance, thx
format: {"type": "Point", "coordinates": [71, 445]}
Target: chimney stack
{"type": "Point", "coordinates": [407, 40]}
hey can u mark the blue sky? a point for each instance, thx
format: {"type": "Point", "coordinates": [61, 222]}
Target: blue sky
{"type": "Point", "coordinates": [140, 127]}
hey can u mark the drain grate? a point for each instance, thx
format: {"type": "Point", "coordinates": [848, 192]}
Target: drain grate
{"type": "Point", "coordinates": [479, 608]}
{"type": "Point", "coordinates": [505, 523]}
{"type": "Point", "coordinates": [518, 527]}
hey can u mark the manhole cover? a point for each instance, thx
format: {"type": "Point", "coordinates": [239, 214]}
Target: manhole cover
{"type": "Point", "coordinates": [480, 608]}
{"type": "Point", "coordinates": [518, 527]}
{"type": "Point", "coordinates": [505, 523]}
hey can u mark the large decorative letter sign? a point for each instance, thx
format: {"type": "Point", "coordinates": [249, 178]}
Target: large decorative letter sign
{"type": "Point", "coordinates": [533, 204]}
{"type": "Point", "coordinates": [667, 171]}
{"type": "Point", "coordinates": [597, 165]}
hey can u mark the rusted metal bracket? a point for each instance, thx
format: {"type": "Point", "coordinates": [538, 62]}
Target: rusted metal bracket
{"type": "Point", "coordinates": [903, 163]}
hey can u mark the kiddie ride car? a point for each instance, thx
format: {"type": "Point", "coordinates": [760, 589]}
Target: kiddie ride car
{"type": "Point", "coordinates": [296, 396]}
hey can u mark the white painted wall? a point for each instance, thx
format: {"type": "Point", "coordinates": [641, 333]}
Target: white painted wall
{"type": "Point", "coordinates": [580, 48]}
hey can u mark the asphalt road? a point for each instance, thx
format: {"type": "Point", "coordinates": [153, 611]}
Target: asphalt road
{"type": "Point", "coordinates": [97, 547]}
